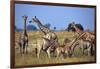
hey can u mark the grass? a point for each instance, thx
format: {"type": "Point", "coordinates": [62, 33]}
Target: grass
{"type": "Point", "coordinates": [31, 59]}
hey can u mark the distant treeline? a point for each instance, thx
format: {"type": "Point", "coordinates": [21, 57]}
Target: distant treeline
{"type": "Point", "coordinates": [34, 28]}
{"type": "Point", "coordinates": [70, 28]}
{"type": "Point", "coordinates": [29, 28]}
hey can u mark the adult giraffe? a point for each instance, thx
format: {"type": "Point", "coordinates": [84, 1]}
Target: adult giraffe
{"type": "Point", "coordinates": [50, 39]}
{"type": "Point", "coordinates": [23, 39]}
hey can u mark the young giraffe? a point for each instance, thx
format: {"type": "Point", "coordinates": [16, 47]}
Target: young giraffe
{"type": "Point", "coordinates": [50, 38]}
{"type": "Point", "coordinates": [23, 39]}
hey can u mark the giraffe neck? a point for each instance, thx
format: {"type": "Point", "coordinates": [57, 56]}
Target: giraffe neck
{"type": "Point", "coordinates": [77, 29]}
{"type": "Point", "coordinates": [43, 28]}
{"type": "Point", "coordinates": [75, 41]}
{"type": "Point", "coordinates": [25, 31]}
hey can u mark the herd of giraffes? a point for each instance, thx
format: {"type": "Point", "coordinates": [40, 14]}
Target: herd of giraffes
{"type": "Point", "coordinates": [50, 43]}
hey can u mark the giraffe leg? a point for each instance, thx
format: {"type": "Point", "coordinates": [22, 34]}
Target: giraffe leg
{"type": "Point", "coordinates": [89, 51]}
{"type": "Point", "coordinates": [82, 50]}
{"type": "Point", "coordinates": [23, 50]}
{"type": "Point", "coordinates": [58, 52]}
{"type": "Point", "coordinates": [48, 52]}
{"type": "Point", "coordinates": [39, 48]}
{"type": "Point", "coordinates": [82, 46]}
{"type": "Point", "coordinates": [26, 46]}
{"type": "Point", "coordinates": [38, 53]}
{"type": "Point", "coordinates": [20, 49]}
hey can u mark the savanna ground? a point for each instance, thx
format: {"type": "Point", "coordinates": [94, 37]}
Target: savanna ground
{"type": "Point", "coordinates": [31, 59]}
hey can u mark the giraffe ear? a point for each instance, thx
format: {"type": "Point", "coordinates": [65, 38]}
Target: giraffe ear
{"type": "Point", "coordinates": [35, 16]}
{"type": "Point", "coordinates": [25, 17]}
{"type": "Point", "coordinates": [36, 19]}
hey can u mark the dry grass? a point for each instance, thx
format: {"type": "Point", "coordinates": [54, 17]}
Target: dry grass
{"type": "Point", "coordinates": [31, 59]}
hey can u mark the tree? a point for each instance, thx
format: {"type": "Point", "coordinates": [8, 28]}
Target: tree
{"type": "Point", "coordinates": [70, 28]}
{"type": "Point", "coordinates": [54, 28]}
{"type": "Point", "coordinates": [17, 29]}
{"type": "Point", "coordinates": [80, 26]}
{"type": "Point", "coordinates": [31, 28]}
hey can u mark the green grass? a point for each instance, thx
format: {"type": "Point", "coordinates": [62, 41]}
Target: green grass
{"type": "Point", "coordinates": [31, 59]}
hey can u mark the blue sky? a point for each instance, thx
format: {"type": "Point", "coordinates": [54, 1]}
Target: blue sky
{"type": "Point", "coordinates": [57, 16]}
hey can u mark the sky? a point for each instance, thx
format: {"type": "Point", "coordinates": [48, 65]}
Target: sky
{"type": "Point", "coordinates": [57, 16]}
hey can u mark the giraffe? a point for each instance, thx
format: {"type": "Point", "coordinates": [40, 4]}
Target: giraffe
{"type": "Point", "coordinates": [23, 39]}
{"type": "Point", "coordinates": [50, 38]}
{"type": "Point", "coordinates": [88, 36]}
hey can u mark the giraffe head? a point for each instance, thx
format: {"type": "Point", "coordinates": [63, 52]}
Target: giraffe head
{"type": "Point", "coordinates": [72, 24]}
{"type": "Point", "coordinates": [34, 19]}
{"type": "Point", "coordinates": [25, 17]}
